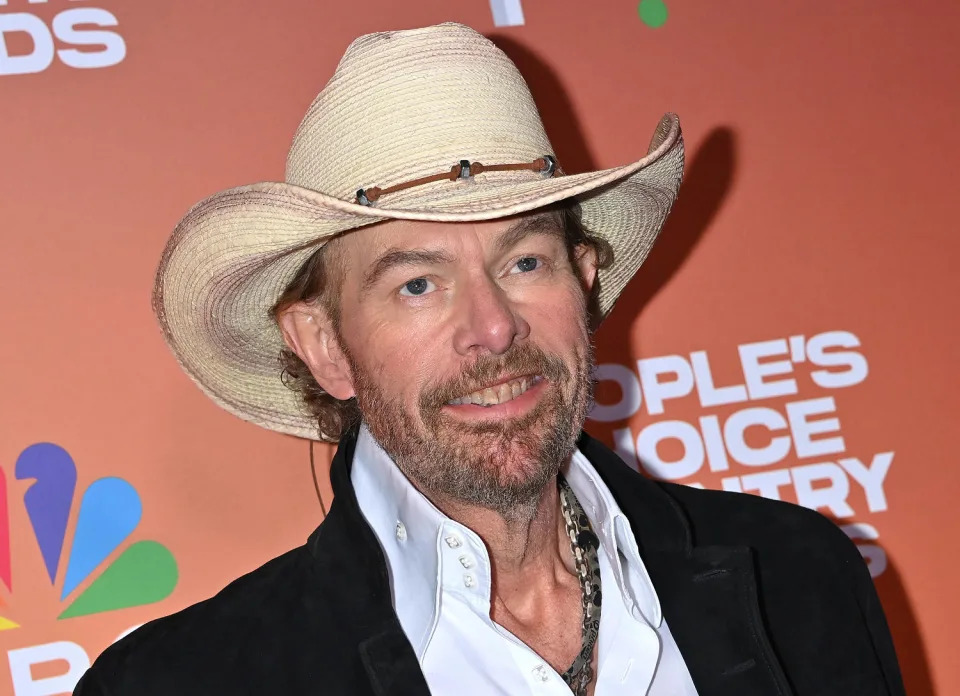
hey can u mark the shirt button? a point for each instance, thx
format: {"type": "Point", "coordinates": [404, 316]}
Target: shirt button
{"type": "Point", "coordinates": [466, 562]}
{"type": "Point", "coordinates": [468, 580]}
{"type": "Point", "coordinates": [401, 532]}
{"type": "Point", "coordinates": [453, 541]}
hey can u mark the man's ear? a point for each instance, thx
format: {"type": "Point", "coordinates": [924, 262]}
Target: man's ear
{"type": "Point", "coordinates": [308, 331]}
{"type": "Point", "coordinates": [585, 257]}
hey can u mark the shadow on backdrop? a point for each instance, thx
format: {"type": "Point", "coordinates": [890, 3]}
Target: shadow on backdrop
{"type": "Point", "coordinates": [707, 181]}
{"type": "Point", "coordinates": [708, 177]}
{"type": "Point", "coordinates": [907, 637]}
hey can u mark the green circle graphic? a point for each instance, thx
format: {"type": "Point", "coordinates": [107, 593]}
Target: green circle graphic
{"type": "Point", "coordinates": [653, 13]}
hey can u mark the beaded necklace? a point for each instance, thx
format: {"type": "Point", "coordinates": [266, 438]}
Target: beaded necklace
{"type": "Point", "coordinates": [583, 544]}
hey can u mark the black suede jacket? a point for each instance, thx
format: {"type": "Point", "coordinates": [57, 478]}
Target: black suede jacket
{"type": "Point", "coordinates": [763, 598]}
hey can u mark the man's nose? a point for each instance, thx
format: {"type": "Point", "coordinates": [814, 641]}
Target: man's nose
{"type": "Point", "coordinates": [486, 319]}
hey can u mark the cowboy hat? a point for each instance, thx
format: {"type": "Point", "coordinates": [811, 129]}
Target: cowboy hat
{"type": "Point", "coordinates": [427, 124]}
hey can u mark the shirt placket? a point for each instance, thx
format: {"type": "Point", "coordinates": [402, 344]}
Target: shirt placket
{"type": "Point", "coordinates": [465, 572]}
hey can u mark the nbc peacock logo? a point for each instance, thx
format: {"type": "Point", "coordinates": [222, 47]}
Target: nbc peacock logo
{"type": "Point", "coordinates": [140, 572]}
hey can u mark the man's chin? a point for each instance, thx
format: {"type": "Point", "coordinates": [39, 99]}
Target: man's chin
{"type": "Point", "coordinates": [509, 449]}
{"type": "Point", "coordinates": [503, 467]}
{"type": "Point", "coordinates": [507, 479]}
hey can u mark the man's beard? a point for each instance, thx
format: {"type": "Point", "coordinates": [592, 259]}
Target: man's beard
{"type": "Point", "coordinates": [502, 465]}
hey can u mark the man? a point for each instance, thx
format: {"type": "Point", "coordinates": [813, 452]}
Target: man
{"type": "Point", "coordinates": [436, 321]}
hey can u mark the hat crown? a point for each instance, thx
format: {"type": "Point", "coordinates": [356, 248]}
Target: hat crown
{"type": "Point", "coordinates": [407, 104]}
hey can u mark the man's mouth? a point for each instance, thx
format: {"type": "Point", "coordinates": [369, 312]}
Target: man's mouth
{"type": "Point", "coordinates": [498, 394]}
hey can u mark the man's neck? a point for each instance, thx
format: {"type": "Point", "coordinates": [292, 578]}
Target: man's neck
{"type": "Point", "coordinates": [535, 589]}
{"type": "Point", "coordinates": [529, 551]}
{"type": "Point", "coordinates": [535, 592]}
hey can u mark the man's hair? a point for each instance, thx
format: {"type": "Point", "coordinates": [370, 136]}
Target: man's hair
{"type": "Point", "coordinates": [318, 281]}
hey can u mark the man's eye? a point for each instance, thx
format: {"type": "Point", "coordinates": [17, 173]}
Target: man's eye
{"type": "Point", "coordinates": [527, 264]}
{"type": "Point", "coordinates": [417, 287]}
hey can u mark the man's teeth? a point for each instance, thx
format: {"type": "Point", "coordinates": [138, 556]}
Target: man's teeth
{"type": "Point", "coordinates": [491, 396]}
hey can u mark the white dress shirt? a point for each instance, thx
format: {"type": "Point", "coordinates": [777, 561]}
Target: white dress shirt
{"type": "Point", "coordinates": [441, 584]}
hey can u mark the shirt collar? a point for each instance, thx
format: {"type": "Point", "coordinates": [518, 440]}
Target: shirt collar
{"type": "Point", "coordinates": [410, 530]}
{"type": "Point", "coordinates": [616, 538]}
{"type": "Point", "coordinates": [406, 524]}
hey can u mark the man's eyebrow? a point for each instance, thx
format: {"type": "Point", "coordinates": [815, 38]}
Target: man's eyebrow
{"type": "Point", "coordinates": [401, 257]}
{"type": "Point", "coordinates": [544, 223]}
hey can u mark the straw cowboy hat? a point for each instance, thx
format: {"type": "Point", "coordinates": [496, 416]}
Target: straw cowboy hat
{"type": "Point", "coordinates": [427, 124]}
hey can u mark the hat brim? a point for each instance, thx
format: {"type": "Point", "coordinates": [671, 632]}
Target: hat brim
{"type": "Point", "coordinates": [234, 253]}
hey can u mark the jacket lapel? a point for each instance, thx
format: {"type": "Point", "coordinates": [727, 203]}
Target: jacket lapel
{"type": "Point", "coordinates": [708, 594]}
{"type": "Point", "coordinates": [391, 666]}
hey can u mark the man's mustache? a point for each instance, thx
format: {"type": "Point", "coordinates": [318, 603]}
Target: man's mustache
{"type": "Point", "coordinates": [489, 369]}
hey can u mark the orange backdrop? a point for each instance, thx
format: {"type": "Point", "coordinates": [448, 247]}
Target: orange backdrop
{"type": "Point", "coordinates": [789, 336]}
